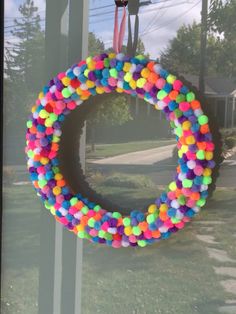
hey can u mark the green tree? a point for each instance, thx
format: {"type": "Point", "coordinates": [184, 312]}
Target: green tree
{"type": "Point", "coordinates": [183, 52]}
{"type": "Point", "coordinates": [222, 23]}
{"type": "Point", "coordinates": [24, 61]}
{"type": "Point", "coordinates": [110, 110]}
{"type": "Point", "coordinates": [95, 45]}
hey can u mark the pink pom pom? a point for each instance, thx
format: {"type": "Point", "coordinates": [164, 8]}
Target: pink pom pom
{"type": "Point", "coordinates": [160, 83]}
{"type": "Point", "coordinates": [116, 244]}
{"type": "Point", "coordinates": [184, 106]}
{"type": "Point", "coordinates": [99, 65]}
{"type": "Point", "coordinates": [177, 85]}
{"type": "Point", "coordinates": [71, 105]}
{"type": "Point", "coordinates": [198, 170]}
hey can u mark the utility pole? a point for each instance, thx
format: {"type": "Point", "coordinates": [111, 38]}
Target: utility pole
{"type": "Point", "coordinates": [202, 72]}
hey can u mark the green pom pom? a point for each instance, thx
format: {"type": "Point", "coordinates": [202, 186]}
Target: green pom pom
{"type": "Point", "coordinates": [55, 169]}
{"type": "Point", "coordinates": [116, 215]}
{"type": "Point", "coordinates": [187, 183]}
{"type": "Point", "coordinates": [53, 117]}
{"type": "Point", "coordinates": [81, 234]}
{"type": "Point", "coordinates": [161, 94]}
{"type": "Point", "coordinates": [175, 220]}
{"type": "Point", "coordinates": [200, 155]}
{"type": "Point", "coordinates": [113, 73]}
{"type": "Point", "coordinates": [190, 96]}
{"type": "Point", "coordinates": [97, 208]}
{"type": "Point", "coordinates": [179, 131]}
{"type": "Point", "coordinates": [207, 180]}
{"type": "Point", "coordinates": [101, 233]}
{"type": "Point", "coordinates": [106, 63]}
{"type": "Point", "coordinates": [91, 222]}
{"type": "Point", "coordinates": [126, 221]}
{"type": "Point", "coordinates": [142, 243]}
{"type": "Point", "coordinates": [84, 210]}
{"type": "Point", "coordinates": [42, 183]}
{"type": "Point", "coordinates": [136, 231]}
{"type": "Point", "coordinates": [29, 124]}
{"type": "Point", "coordinates": [180, 98]}
{"type": "Point", "coordinates": [73, 201]}
{"type": "Point", "coordinates": [203, 120]}
{"type": "Point", "coordinates": [182, 200]}
{"type": "Point", "coordinates": [66, 93]}
{"type": "Point", "coordinates": [201, 202]}
{"type": "Point", "coordinates": [178, 113]}
{"type": "Point", "coordinates": [151, 218]}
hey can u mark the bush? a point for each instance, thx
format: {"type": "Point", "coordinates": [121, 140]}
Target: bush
{"type": "Point", "coordinates": [128, 181]}
{"type": "Point", "coordinates": [230, 142]}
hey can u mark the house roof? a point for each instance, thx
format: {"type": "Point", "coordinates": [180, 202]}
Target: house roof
{"type": "Point", "coordinates": [215, 86]}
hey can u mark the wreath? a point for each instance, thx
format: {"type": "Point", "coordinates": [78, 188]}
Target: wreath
{"type": "Point", "coordinates": [143, 78]}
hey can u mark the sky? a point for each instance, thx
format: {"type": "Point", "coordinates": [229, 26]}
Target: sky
{"type": "Point", "coordinates": [158, 22]}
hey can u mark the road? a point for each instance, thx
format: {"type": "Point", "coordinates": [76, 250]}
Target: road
{"type": "Point", "coordinates": [144, 157]}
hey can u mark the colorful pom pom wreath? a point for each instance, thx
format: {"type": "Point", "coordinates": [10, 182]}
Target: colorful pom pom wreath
{"type": "Point", "coordinates": [146, 79]}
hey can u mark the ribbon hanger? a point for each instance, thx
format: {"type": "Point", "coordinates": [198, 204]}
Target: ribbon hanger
{"type": "Point", "coordinates": [119, 33]}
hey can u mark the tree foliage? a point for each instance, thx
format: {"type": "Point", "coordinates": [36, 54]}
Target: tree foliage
{"type": "Point", "coordinates": [24, 61]}
{"type": "Point", "coordinates": [24, 64]}
{"type": "Point", "coordinates": [183, 51]}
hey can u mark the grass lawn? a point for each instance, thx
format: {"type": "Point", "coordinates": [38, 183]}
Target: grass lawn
{"type": "Point", "coordinates": [110, 150]}
{"type": "Point", "coordinates": [173, 276]}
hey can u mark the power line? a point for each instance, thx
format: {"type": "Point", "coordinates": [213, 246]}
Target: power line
{"type": "Point", "coordinates": [171, 21]}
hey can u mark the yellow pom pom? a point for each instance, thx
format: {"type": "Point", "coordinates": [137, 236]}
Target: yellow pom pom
{"type": "Point", "coordinates": [128, 77]}
{"type": "Point", "coordinates": [48, 123]}
{"type": "Point", "coordinates": [184, 148]}
{"type": "Point", "coordinates": [79, 91]}
{"type": "Point", "coordinates": [56, 190]}
{"type": "Point", "coordinates": [41, 95]}
{"type": "Point", "coordinates": [152, 209]}
{"type": "Point", "coordinates": [44, 160]}
{"type": "Point", "coordinates": [66, 81]}
{"type": "Point", "coordinates": [84, 97]}
{"type": "Point", "coordinates": [190, 140]}
{"type": "Point", "coordinates": [55, 139]}
{"type": "Point", "coordinates": [127, 66]}
{"type": "Point", "coordinates": [145, 72]}
{"type": "Point", "coordinates": [133, 84]}
{"type": "Point", "coordinates": [58, 176]}
{"type": "Point", "coordinates": [52, 210]}
{"type": "Point", "coordinates": [90, 84]}
{"type": "Point", "coordinates": [80, 227]}
{"type": "Point", "coordinates": [207, 172]}
{"type": "Point", "coordinates": [141, 82]}
{"type": "Point", "coordinates": [208, 155]}
{"type": "Point", "coordinates": [33, 109]}
{"type": "Point", "coordinates": [91, 65]}
{"type": "Point", "coordinates": [170, 79]}
{"type": "Point", "coordinates": [99, 90]}
{"type": "Point", "coordinates": [186, 125]}
{"type": "Point", "coordinates": [163, 208]}
{"type": "Point", "coordinates": [172, 186]}
{"type": "Point", "coordinates": [111, 55]}
{"type": "Point", "coordinates": [86, 72]}
{"type": "Point", "coordinates": [128, 230]}
{"type": "Point", "coordinates": [119, 90]}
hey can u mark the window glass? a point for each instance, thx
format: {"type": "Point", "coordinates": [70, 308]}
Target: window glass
{"type": "Point", "coordinates": [128, 155]}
